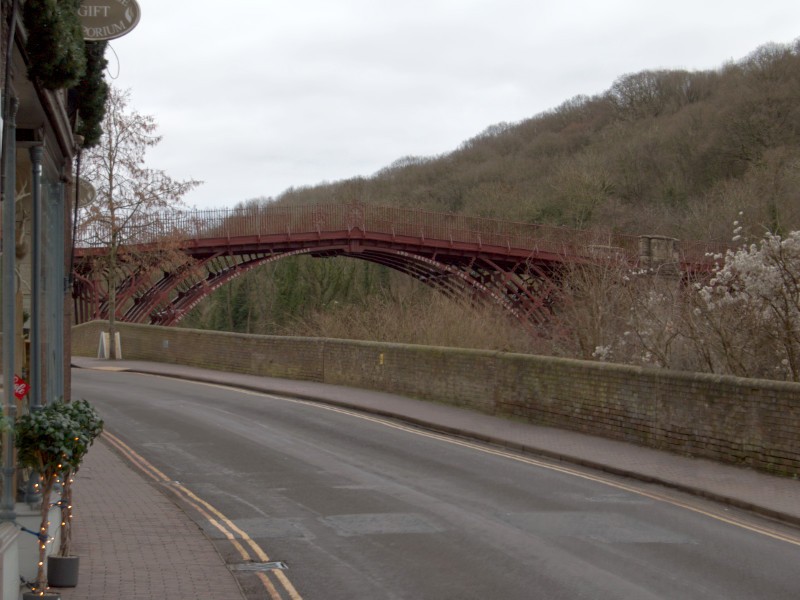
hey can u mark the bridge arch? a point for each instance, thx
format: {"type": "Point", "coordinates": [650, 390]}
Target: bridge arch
{"type": "Point", "coordinates": [511, 265]}
{"type": "Point", "coordinates": [170, 298]}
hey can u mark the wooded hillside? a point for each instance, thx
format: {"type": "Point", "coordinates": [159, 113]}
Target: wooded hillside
{"type": "Point", "coordinates": [664, 152]}
{"type": "Point", "coordinates": [692, 155]}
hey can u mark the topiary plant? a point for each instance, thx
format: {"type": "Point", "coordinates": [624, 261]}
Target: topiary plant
{"type": "Point", "coordinates": [47, 441]}
{"type": "Point", "coordinates": [91, 426]}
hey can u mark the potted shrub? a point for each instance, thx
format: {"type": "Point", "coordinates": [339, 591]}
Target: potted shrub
{"type": "Point", "coordinates": [46, 441]}
{"type": "Point", "coordinates": [62, 568]}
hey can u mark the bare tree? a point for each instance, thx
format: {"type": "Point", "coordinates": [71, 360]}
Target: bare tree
{"type": "Point", "coordinates": [129, 197]}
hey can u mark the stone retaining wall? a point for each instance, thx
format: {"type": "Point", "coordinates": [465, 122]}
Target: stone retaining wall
{"type": "Point", "coordinates": [745, 421]}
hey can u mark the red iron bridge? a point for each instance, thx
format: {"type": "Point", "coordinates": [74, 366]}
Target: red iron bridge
{"type": "Point", "coordinates": [175, 260]}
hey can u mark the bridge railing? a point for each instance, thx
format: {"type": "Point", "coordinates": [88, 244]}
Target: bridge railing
{"type": "Point", "coordinates": [390, 221]}
{"type": "Point", "coordinates": [490, 232]}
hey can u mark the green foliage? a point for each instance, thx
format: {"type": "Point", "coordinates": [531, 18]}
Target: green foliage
{"type": "Point", "coordinates": [46, 440]}
{"type": "Point", "coordinates": [89, 424]}
{"type": "Point", "coordinates": [61, 59]}
{"type": "Point", "coordinates": [53, 441]}
{"type": "Point", "coordinates": [57, 436]}
{"type": "Point", "coordinates": [55, 42]}
{"type": "Point", "coordinates": [92, 94]}
{"type": "Point", "coordinates": [272, 298]}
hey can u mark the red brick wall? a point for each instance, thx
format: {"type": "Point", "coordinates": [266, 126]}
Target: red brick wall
{"type": "Point", "coordinates": [745, 421]}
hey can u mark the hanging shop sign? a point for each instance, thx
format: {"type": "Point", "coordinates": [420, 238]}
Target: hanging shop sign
{"type": "Point", "coordinates": [86, 193]}
{"type": "Point", "coordinates": [108, 19]}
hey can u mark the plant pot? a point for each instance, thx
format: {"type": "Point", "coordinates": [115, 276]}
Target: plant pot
{"type": "Point", "coordinates": [62, 571]}
{"type": "Point", "coordinates": [36, 596]}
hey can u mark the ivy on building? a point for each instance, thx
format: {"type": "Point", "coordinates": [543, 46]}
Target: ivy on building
{"type": "Point", "coordinates": [91, 95]}
{"type": "Point", "coordinates": [61, 59]}
{"type": "Point", "coordinates": [55, 42]}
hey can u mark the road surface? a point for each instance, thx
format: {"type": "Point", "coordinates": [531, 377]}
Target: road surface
{"type": "Point", "coordinates": [356, 506]}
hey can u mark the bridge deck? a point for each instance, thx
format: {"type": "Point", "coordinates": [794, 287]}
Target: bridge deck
{"type": "Point", "coordinates": [501, 261]}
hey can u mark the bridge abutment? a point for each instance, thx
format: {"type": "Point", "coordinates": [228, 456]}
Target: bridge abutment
{"type": "Point", "coordinates": [660, 254]}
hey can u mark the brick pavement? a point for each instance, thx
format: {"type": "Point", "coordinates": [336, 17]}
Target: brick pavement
{"type": "Point", "coordinates": [134, 541]}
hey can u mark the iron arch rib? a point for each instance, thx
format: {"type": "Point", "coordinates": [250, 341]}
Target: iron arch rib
{"type": "Point", "coordinates": [512, 265]}
{"type": "Point", "coordinates": [189, 284]}
{"type": "Point", "coordinates": [200, 281]}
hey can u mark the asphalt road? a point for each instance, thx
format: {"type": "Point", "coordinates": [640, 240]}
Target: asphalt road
{"type": "Point", "coordinates": [364, 508]}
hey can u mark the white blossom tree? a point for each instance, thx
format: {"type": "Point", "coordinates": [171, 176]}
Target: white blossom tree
{"type": "Point", "coordinates": [743, 319]}
{"type": "Point", "coordinates": [752, 308]}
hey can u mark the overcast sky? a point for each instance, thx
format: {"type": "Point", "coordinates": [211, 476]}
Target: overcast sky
{"type": "Point", "coordinates": [255, 96]}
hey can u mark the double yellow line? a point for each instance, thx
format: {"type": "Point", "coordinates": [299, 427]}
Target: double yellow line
{"type": "Point", "coordinates": [247, 548]}
{"type": "Point", "coordinates": [241, 541]}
